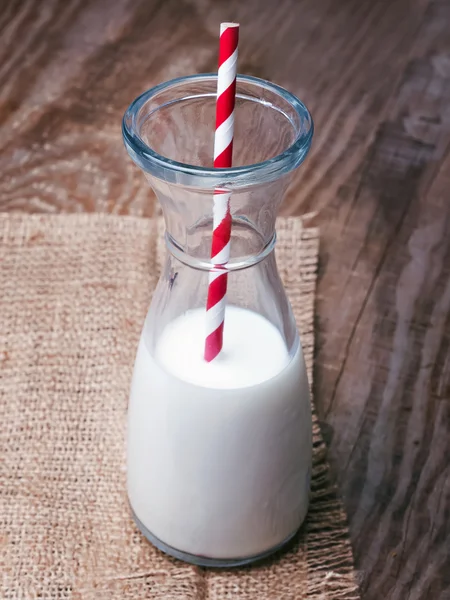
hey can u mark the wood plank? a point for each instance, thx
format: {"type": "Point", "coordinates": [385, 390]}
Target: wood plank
{"type": "Point", "coordinates": [387, 274]}
{"type": "Point", "coordinates": [67, 83]}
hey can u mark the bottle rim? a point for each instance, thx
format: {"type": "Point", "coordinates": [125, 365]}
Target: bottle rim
{"type": "Point", "coordinates": [205, 177]}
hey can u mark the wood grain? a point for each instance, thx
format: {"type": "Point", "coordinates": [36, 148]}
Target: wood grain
{"type": "Point", "coordinates": [376, 76]}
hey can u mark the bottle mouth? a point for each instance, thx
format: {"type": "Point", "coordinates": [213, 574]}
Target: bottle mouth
{"type": "Point", "coordinates": [263, 94]}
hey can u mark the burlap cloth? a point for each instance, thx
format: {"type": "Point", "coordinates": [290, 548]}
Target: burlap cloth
{"type": "Point", "coordinates": [74, 292]}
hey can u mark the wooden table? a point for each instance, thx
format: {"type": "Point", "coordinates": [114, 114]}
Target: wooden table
{"type": "Point", "coordinates": [376, 76]}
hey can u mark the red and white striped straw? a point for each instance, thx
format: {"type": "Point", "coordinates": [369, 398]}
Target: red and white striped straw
{"type": "Point", "coordinates": [223, 151]}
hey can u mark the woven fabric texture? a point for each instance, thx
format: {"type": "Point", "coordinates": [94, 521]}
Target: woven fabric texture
{"type": "Point", "coordinates": [74, 291]}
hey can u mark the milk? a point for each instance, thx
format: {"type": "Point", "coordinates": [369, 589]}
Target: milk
{"type": "Point", "coordinates": [219, 453]}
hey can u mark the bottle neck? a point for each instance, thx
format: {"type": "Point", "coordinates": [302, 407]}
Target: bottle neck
{"type": "Point", "coordinates": [189, 215]}
{"type": "Point", "coordinates": [195, 260]}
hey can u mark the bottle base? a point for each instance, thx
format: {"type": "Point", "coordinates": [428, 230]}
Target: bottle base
{"type": "Point", "coordinates": [204, 561]}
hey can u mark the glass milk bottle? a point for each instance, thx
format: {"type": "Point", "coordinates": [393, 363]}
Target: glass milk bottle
{"type": "Point", "coordinates": [219, 453]}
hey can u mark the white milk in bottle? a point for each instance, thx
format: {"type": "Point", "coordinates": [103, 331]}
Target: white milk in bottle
{"type": "Point", "coordinates": [219, 453]}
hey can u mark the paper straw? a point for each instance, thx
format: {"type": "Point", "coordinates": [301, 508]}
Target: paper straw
{"type": "Point", "coordinates": [223, 150]}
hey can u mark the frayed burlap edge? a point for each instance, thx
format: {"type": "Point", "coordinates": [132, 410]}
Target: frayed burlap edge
{"type": "Point", "coordinates": [328, 552]}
